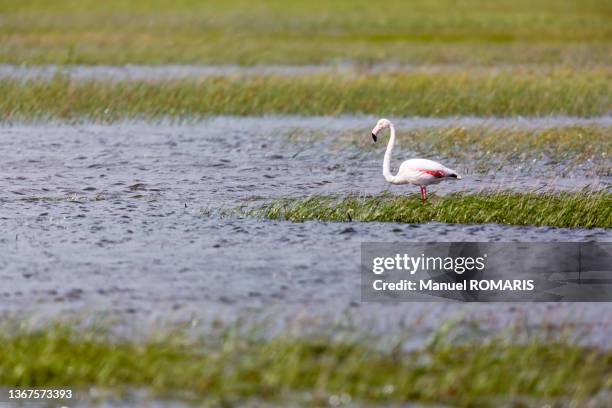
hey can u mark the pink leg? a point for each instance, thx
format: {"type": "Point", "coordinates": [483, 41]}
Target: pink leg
{"type": "Point", "coordinates": [423, 193]}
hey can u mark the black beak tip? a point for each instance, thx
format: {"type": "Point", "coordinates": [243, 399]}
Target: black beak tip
{"type": "Point", "coordinates": [373, 137]}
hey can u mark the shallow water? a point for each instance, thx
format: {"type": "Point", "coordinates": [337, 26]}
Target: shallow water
{"type": "Point", "coordinates": [134, 72]}
{"type": "Point", "coordinates": [107, 219]}
{"type": "Point", "coordinates": [274, 124]}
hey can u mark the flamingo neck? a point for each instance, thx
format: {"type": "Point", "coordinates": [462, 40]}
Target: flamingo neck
{"type": "Point", "coordinates": [387, 160]}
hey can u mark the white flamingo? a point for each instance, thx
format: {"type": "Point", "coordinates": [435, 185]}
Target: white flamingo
{"type": "Point", "coordinates": [421, 172]}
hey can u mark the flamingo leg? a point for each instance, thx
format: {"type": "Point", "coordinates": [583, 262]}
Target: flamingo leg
{"type": "Point", "coordinates": [424, 193]}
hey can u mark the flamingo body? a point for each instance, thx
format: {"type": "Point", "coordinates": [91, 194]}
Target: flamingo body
{"type": "Point", "coordinates": [420, 172]}
{"type": "Point", "coordinates": [423, 172]}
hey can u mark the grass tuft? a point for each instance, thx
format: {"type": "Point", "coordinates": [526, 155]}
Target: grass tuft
{"type": "Point", "coordinates": [563, 210]}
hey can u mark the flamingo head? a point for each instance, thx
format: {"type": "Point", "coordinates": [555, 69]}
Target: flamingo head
{"type": "Point", "coordinates": [380, 125]}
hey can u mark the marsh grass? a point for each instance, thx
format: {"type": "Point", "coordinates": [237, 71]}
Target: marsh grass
{"type": "Point", "coordinates": [488, 93]}
{"type": "Point", "coordinates": [304, 32]}
{"type": "Point", "coordinates": [563, 210]}
{"type": "Point", "coordinates": [492, 148]}
{"type": "Point", "coordinates": [228, 368]}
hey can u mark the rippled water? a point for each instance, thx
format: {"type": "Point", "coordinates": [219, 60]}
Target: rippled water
{"type": "Point", "coordinates": [108, 219]}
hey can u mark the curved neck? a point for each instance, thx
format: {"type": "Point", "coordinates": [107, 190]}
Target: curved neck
{"type": "Point", "coordinates": [387, 160]}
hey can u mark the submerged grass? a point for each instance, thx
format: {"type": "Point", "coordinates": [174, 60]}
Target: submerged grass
{"type": "Point", "coordinates": [230, 368]}
{"type": "Point", "coordinates": [563, 210]}
{"type": "Point", "coordinates": [585, 92]}
{"type": "Point", "coordinates": [304, 32]}
{"type": "Point", "coordinates": [493, 148]}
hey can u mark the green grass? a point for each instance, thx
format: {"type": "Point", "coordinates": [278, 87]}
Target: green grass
{"type": "Point", "coordinates": [490, 148]}
{"type": "Point", "coordinates": [585, 92]}
{"type": "Point", "coordinates": [564, 210]}
{"type": "Point", "coordinates": [225, 369]}
{"type": "Point", "coordinates": [304, 32]}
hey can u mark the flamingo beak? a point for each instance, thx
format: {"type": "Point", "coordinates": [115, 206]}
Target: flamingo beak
{"type": "Point", "coordinates": [375, 132]}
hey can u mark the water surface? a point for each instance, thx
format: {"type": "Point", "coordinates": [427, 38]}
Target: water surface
{"type": "Point", "coordinates": [113, 220]}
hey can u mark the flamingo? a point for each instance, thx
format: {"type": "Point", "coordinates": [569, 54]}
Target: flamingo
{"type": "Point", "coordinates": [421, 172]}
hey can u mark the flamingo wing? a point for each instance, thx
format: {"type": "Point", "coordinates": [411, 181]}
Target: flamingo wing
{"type": "Point", "coordinates": [424, 172]}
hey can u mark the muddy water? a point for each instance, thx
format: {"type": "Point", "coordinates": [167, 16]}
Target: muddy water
{"type": "Point", "coordinates": [109, 220]}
